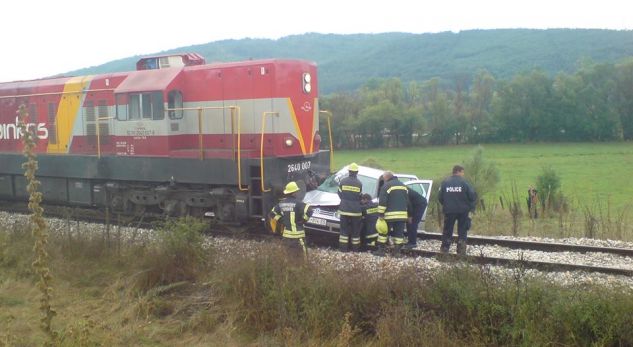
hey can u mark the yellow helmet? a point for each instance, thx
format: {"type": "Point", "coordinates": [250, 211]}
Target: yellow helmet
{"type": "Point", "coordinates": [381, 226]}
{"type": "Point", "coordinates": [291, 188]}
{"type": "Point", "coordinates": [352, 167]}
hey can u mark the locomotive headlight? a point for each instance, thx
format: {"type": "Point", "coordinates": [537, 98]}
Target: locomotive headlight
{"type": "Point", "coordinates": [289, 142]}
{"type": "Point", "coordinates": [307, 79]}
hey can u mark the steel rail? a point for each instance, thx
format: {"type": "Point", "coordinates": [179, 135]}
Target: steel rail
{"type": "Point", "coordinates": [518, 263]}
{"type": "Point", "coordinates": [534, 245]}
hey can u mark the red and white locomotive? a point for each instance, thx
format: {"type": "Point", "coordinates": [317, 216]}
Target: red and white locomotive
{"type": "Point", "coordinates": [177, 135]}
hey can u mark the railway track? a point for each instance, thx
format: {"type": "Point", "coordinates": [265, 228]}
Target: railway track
{"type": "Point", "coordinates": [519, 263]}
{"type": "Point", "coordinates": [149, 220]}
{"type": "Point", "coordinates": [533, 245]}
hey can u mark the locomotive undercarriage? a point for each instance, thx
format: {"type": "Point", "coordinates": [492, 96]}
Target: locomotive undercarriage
{"type": "Point", "coordinates": [225, 204]}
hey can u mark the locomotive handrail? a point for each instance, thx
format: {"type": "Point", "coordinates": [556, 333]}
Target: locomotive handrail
{"type": "Point", "coordinates": [261, 149]}
{"type": "Point", "coordinates": [329, 130]}
{"type": "Point", "coordinates": [99, 119]}
{"type": "Point", "coordinates": [239, 133]}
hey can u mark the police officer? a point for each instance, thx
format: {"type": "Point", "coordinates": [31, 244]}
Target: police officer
{"type": "Point", "coordinates": [350, 190]}
{"type": "Point", "coordinates": [293, 213]}
{"type": "Point", "coordinates": [392, 205]}
{"type": "Point", "coordinates": [417, 206]}
{"type": "Point", "coordinates": [458, 199]}
{"type": "Point", "coordinates": [370, 217]}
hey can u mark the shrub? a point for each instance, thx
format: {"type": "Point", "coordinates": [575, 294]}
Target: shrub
{"type": "Point", "coordinates": [548, 186]}
{"type": "Point", "coordinates": [481, 173]}
{"type": "Point", "coordinates": [177, 255]}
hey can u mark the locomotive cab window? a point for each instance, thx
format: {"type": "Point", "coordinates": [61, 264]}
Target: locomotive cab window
{"type": "Point", "coordinates": [151, 64]}
{"type": "Point", "coordinates": [174, 104]}
{"type": "Point", "coordinates": [145, 106]}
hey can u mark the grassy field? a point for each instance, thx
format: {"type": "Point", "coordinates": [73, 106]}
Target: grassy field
{"type": "Point", "coordinates": [589, 172]}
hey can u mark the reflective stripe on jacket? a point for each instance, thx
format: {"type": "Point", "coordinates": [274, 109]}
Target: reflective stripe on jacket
{"type": "Point", "coordinates": [349, 190]}
{"type": "Point", "coordinates": [292, 213]}
{"type": "Point", "coordinates": [394, 200]}
{"type": "Point", "coordinates": [370, 214]}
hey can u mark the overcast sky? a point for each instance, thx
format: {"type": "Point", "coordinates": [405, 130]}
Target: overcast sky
{"type": "Point", "coordinates": [42, 38]}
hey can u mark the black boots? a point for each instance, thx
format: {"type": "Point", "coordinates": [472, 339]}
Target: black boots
{"type": "Point", "coordinates": [445, 247]}
{"type": "Point", "coordinates": [380, 250]}
{"type": "Point", "coordinates": [461, 247]}
{"type": "Point", "coordinates": [397, 251]}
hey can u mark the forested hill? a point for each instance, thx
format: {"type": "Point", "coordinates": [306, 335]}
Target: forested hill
{"type": "Point", "coordinates": [347, 61]}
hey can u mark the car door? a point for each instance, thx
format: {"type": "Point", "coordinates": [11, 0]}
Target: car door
{"type": "Point", "coordinates": [423, 187]}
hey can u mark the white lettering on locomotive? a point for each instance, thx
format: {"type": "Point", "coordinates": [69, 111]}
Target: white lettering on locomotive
{"type": "Point", "coordinates": [453, 189]}
{"type": "Point", "coordinates": [11, 131]}
{"type": "Point", "coordinates": [302, 166]}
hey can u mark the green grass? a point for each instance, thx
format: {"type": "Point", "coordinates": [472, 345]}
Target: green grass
{"type": "Point", "coordinates": [588, 171]}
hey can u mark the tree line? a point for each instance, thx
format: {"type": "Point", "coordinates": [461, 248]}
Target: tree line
{"type": "Point", "coordinates": [594, 103]}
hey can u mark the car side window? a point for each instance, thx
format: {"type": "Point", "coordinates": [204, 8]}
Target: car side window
{"type": "Point", "coordinates": [419, 187]}
{"type": "Point", "coordinates": [369, 185]}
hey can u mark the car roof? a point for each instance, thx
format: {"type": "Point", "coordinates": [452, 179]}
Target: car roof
{"type": "Point", "coordinates": [372, 172]}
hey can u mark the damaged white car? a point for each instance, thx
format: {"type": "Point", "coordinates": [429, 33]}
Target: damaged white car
{"type": "Point", "coordinates": [325, 200]}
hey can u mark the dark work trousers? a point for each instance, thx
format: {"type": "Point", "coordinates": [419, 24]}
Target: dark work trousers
{"type": "Point", "coordinates": [463, 224]}
{"type": "Point", "coordinates": [412, 228]}
{"type": "Point", "coordinates": [396, 231]}
{"type": "Point", "coordinates": [350, 231]}
{"type": "Point", "coordinates": [296, 248]}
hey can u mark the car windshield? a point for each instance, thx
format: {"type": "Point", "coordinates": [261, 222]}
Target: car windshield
{"type": "Point", "coordinates": [330, 185]}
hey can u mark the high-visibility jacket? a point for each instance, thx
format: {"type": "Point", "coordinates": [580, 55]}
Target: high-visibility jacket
{"type": "Point", "coordinates": [292, 213]}
{"type": "Point", "coordinates": [370, 215]}
{"type": "Point", "coordinates": [349, 190]}
{"type": "Point", "coordinates": [393, 200]}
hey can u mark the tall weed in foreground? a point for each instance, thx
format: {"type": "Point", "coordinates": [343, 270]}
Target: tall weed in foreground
{"type": "Point", "coordinates": [40, 229]}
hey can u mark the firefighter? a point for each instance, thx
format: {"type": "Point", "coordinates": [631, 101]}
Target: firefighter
{"type": "Point", "coordinates": [458, 199]}
{"type": "Point", "coordinates": [417, 206]}
{"type": "Point", "coordinates": [370, 217]}
{"type": "Point", "coordinates": [392, 206]}
{"type": "Point", "coordinates": [350, 212]}
{"type": "Point", "coordinates": [292, 213]}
